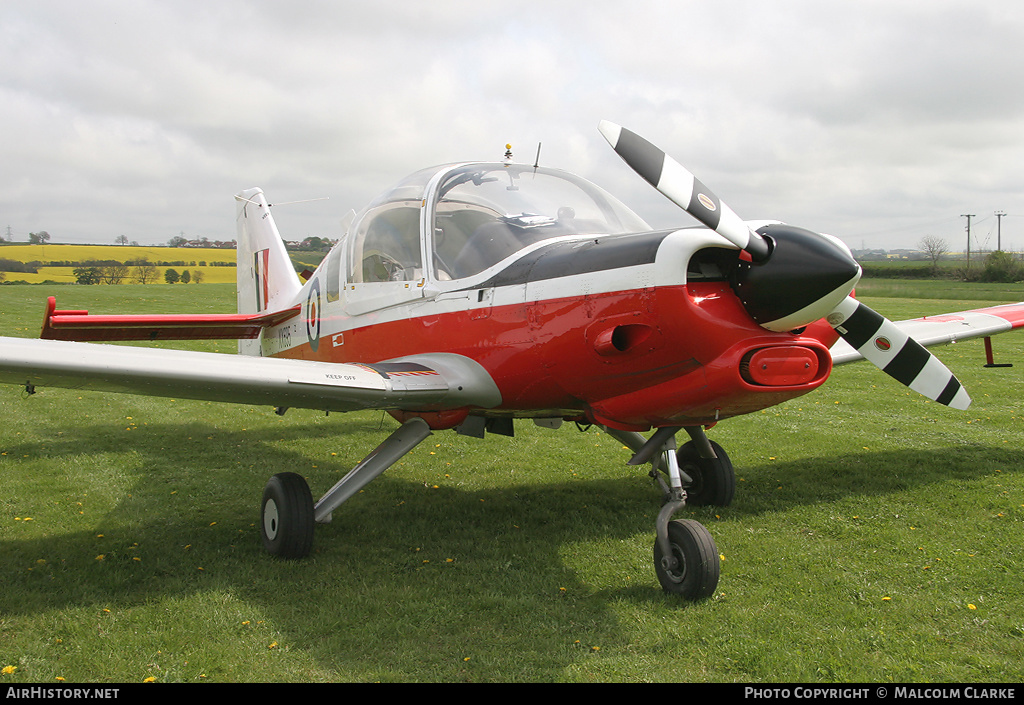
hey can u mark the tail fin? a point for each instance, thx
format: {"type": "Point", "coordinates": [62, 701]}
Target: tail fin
{"type": "Point", "coordinates": [267, 280]}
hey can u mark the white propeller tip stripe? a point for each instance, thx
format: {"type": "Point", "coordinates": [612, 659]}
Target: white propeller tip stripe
{"type": "Point", "coordinates": [611, 131]}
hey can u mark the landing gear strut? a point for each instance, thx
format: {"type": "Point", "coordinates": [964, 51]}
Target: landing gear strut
{"type": "Point", "coordinates": [685, 557]}
{"type": "Point", "coordinates": [288, 515]}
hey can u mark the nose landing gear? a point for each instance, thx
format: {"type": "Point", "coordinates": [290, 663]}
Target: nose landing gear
{"type": "Point", "coordinates": [686, 559]}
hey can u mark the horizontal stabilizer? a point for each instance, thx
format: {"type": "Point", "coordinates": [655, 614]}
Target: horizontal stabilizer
{"type": "Point", "coordinates": [80, 326]}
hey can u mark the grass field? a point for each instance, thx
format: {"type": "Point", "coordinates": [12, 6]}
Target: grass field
{"type": "Point", "coordinates": [875, 537]}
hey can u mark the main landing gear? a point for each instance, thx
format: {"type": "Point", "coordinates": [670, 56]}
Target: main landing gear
{"type": "Point", "coordinates": [288, 514]}
{"type": "Point", "coordinates": [685, 556]}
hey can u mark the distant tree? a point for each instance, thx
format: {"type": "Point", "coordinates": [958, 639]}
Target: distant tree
{"type": "Point", "coordinates": [87, 275]}
{"type": "Point", "coordinates": [171, 276]}
{"type": "Point", "coordinates": [114, 273]}
{"type": "Point", "coordinates": [185, 277]}
{"type": "Point", "coordinates": [143, 272]}
{"type": "Point", "coordinates": [39, 238]}
{"type": "Point", "coordinates": [197, 276]}
{"type": "Point", "coordinates": [121, 240]}
{"type": "Point", "coordinates": [177, 241]}
{"type": "Point", "coordinates": [935, 247]}
{"type": "Point", "coordinates": [3, 276]}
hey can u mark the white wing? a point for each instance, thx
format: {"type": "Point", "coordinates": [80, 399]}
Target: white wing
{"type": "Point", "coordinates": [947, 328]}
{"type": "Point", "coordinates": [420, 382]}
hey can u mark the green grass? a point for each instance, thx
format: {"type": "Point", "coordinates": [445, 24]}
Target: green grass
{"type": "Point", "coordinates": [941, 289]}
{"type": "Point", "coordinates": [875, 537]}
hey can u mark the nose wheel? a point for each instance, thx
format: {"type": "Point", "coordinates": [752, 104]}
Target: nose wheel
{"type": "Point", "coordinates": [685, 556]}
{"type": "Point", "coordinates": [691, 566]}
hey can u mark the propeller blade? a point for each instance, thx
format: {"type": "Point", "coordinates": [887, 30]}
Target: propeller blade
{"type": "Point", "coordinates": [683, 188]}
{"type": "Point", "coordinates": [894, 352]}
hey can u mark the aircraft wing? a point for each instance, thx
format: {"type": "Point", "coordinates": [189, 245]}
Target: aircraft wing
{"type": "Point", "coordinates": [419, 382]}
{"type": "Point", "coordinates": [946, 328]}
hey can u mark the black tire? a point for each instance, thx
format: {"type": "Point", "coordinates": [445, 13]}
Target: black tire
{"type": "Point", "coordinates": [696, 576]}
{"type": "Point", "coordinates": [714, 480]}
{"type": "Point", "coordinates": [286, 516]}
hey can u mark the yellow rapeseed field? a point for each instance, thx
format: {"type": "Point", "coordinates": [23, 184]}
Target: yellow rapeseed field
{"type": "Point", "coordinates": [46, 254]}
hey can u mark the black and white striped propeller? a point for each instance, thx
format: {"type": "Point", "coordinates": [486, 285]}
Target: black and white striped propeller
{"type": "Point", "coordinates": [877, 339]}
{"type": "Point", "coordinates": [888, 348]}
{"type": "Point", "coordinates": [684, 189]}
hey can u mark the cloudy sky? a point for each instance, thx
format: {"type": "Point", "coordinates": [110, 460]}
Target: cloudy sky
{"type": "Point", "coordinates": [877, 121]}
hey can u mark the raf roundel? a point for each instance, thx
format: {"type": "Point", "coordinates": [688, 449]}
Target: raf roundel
{"type": "Point", "coordinates": [313, 315]}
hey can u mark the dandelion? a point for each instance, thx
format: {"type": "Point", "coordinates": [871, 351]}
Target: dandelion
{"type": "Point", "coordinates": [149, 679]}
{"type": "Point", "coordinates": [273, 645]}
{"type": "Point", "coordinates": [8, 670]}
{"type": "Point", "coordinates": [971, 607]}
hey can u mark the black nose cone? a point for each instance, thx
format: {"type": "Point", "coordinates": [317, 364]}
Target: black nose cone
{"type": "Point", "coordinates": [805, 277]}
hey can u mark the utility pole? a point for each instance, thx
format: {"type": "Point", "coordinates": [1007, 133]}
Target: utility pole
{"type": "Point", "coordinates": [968, 216]}
{"type": "Point", "coordinates": [999, 230]}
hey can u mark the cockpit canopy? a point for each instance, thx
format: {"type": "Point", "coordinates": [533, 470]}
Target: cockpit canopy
{"type": "Point", "coordinates": [472, 216]}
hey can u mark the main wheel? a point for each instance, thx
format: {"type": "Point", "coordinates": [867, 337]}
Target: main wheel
{"type": "Point", "coordinates": [286, 516]}
{"type": "Point", "coordinates": [714, 480]}
{"type": "Point", "coordinates": [695, 576]}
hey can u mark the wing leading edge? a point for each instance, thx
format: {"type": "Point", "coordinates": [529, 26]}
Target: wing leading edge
{"type": "Point", "coordinates": [423, 382]}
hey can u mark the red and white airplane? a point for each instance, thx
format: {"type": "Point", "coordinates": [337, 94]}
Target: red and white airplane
{"type": "Point", "coordinates": [473, 294]}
